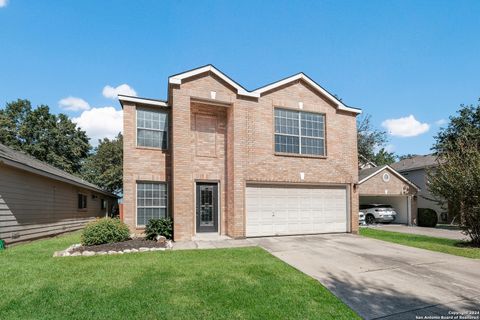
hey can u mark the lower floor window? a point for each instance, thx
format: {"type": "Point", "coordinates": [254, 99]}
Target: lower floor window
{"type": "Point", "coordinates": [82, 201]}
{"type": "Point", "coordinates": [151, 201]}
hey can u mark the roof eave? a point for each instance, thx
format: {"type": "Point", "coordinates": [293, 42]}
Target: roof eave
{"type": "Point", "coordinates": [391, 170]}
{"type": "Point", "coordinates": [147, 101]}
{"type": "Point", "coordinates": [179, 78]}
{"type": "Point", "coordinates": [34, 170]}
{"type": "Point", "coordinates": [316, 86]}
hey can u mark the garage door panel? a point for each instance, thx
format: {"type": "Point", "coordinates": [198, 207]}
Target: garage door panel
{"type": "Point", "coordinates": [273, 210]}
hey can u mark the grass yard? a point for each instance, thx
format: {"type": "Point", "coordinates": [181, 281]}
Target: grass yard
{"type": "Point", "coordinates": [449, 246]}
{"type": "Point", "coordinates": [243, 283]}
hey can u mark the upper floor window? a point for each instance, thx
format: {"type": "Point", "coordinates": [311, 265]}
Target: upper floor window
{"type": "Point", "coordinates": [299, 132]}
{"type": "Point", "coordinates": [152, 128]}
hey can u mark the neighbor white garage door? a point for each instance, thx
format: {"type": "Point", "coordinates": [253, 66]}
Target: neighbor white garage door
{"type": "Point", "coordinates": [281, 210]}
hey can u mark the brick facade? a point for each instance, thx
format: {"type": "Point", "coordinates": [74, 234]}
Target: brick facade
{"type": "Point", "coordinates": [230, 140]}
{"type": "Point", "coordinates": [376, 186]}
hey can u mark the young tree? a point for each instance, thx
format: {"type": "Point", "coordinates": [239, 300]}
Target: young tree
{"type": "Point", "coordinates": [369, 139]}
{"type": "Point", "coordinates": [456, 179]}
{"type": "Point", "coordinates": [383, 157]}
{"type": "Point", "coordinates": [54, 139]}
{"type": "Point", "coordinates": [105, 166]}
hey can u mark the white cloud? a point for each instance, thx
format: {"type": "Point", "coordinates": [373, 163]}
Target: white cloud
{"type": "Point", "coordinates": [441, 122]}
{"type": "Point", "coordinates": [112, 93]}
{"type": "Point", "coordinates": [99, 123]}
{"type": "Point", "coordinates": [405, 127]}
{"type": "Point", "coordinates": [73, 103]}
{"type": "Point", "coordinates": [3, 3]}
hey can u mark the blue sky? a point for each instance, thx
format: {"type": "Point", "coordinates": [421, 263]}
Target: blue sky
{"type": "Point", "coordinates": [417, 60]}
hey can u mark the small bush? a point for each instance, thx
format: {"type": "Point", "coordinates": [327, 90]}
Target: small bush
{"type": "Point", "coordinates": [105, 230]}
{"type": "Point", "coordinates": [162, 227]}
{"type": "Point", "coordinates": [427, 217]}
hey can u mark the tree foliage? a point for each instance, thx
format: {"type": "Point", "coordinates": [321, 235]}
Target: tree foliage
{"type": "Point", "coordinates": [456, 180]}
{"type": "Point", "coordinates": [104, 167]}
{"type": "Point", "coordinates": [52, 138]}
{"type": "Point", "coordinates": [383, 157]}
{"type": "Point", "coordinates": [370, 139]}
{"type": "Point", "coordinates": [407, 156]}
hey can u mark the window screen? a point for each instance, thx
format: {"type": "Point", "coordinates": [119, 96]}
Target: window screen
{"type": "Point", "coordinates": [299, 132]}
{"type": "Point", "coordinates": [151, 202]}
{"type": "Point", "coordinates": [152, 128]}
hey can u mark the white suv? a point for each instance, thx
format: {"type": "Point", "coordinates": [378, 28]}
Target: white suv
{"type": "Point", "coordinates": [372, 213]}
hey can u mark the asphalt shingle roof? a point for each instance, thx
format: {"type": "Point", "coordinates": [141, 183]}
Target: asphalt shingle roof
{"type": "Point", "coordinates": [418, 162]}
{"type": "Point", "coordinates": [27, 160]}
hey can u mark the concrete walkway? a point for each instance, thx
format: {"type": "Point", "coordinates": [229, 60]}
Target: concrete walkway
{"type": "Point", "coordinates": [213, 244]}
{"type": "Point", "coordinates": [381, 280]}
{"type": "Point", "coordinates": [432, 232]}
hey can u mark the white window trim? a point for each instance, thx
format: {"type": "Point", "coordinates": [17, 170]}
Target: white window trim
{"type": "Point", "coordinates": [141, 226]}
{"type": "Point", "coordinates": [137, 127]}
{"type": "Point", "coordinates": [300, 136]}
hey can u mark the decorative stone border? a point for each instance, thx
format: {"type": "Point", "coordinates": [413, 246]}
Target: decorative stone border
{"type": "Point", "coordinates": [68, 252]}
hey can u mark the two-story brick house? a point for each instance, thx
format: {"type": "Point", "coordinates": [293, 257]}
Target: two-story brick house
{"type": "Point", "coordinates": [219, 159]}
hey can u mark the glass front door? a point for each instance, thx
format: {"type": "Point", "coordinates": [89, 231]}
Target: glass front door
{"type": "Point", "coordinates": [207, 207]}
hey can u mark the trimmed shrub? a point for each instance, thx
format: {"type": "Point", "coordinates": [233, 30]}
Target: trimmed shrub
{"type": "Point", "coordinates": [105, 230]}
{"type": "Point", "coordinates": [427, 218]}
{"type": "Point", "coordinates": [159, 227]}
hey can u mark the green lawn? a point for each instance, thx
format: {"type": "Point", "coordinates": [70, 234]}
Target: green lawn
{"type": "Point", "coordinates": [449, 246]}
{"type": "Point", "coordinates": [243, 283]}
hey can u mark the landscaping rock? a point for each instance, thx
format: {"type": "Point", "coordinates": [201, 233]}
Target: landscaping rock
{"type": "Point", "coordinates": [127, 251]}
{"type": "Point", "coordinates": [143, 249]}
{"type": "Point", "coordinates": [169, 244]}
{"type": "Point", "coordinates": [58, 254]}
{"type": "Point", "coordinates": [112, 252]}
{"type": "Point", "coordinates": [75, 254]}
{"type": "Point", "coordinates": [88, 253]}
{"type": "Point", "coordinates": [160, 238]}
{"type": "Point", "coordinates": [134, 250]}
{"type": "Point", "coordinates": [101, 253]}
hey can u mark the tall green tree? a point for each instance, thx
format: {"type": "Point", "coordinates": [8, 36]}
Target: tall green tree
{"type": "Point", "coordinates": [383, 157]}
{"type": "Point", "coordinates": [370, 139]}
{"type": "Point", "coordinates": [456, 179]}
{"type": "Point", "coordinates": [52, 138]}
{"type": "Point", "coordinates": [104, 167]}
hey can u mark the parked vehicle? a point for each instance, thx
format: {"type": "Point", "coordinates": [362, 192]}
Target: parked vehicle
{"type": "Point", "coordinates": [384, 213]}
{"type": "Point", "coordinates": [361, 217]}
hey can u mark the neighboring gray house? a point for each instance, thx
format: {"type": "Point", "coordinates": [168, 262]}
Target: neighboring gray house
{"type": "Point", "coordinates": [415, 170]}
{"type": "Point", "coordinates": [38, 200]}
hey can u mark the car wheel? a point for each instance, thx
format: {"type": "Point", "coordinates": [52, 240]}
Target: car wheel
{"type": "Point", "coordinates": [370, 219]}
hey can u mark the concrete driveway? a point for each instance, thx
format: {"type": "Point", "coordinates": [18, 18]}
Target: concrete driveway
{"type": "Point", "coordinates": [378, 279]}
{"type": "Point", "coordinates": [432, 232]}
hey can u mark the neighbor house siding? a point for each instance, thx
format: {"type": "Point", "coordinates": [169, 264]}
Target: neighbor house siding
{"type": "Point", "coordinates": [395, 186]}
{"type": "Point", "coordinates": [419, 177]}
{"type": "Point", "coordinates": [33, 206]}
{"type": "Point", "coordinates": [375, 189]}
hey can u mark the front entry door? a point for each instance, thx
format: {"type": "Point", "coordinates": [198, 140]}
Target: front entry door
{"type": "Point", "coordinates": [207, 207]}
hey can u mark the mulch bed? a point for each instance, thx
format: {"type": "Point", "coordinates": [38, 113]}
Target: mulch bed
{"type": "Point", "coordinates": [119, 246]}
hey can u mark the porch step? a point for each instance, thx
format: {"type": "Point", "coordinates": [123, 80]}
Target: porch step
{"type": "Point", "coordinates": [209, 236]}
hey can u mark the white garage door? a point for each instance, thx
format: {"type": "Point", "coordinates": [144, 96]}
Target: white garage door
{"type": "Point", "coordinates": [280, 210]}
